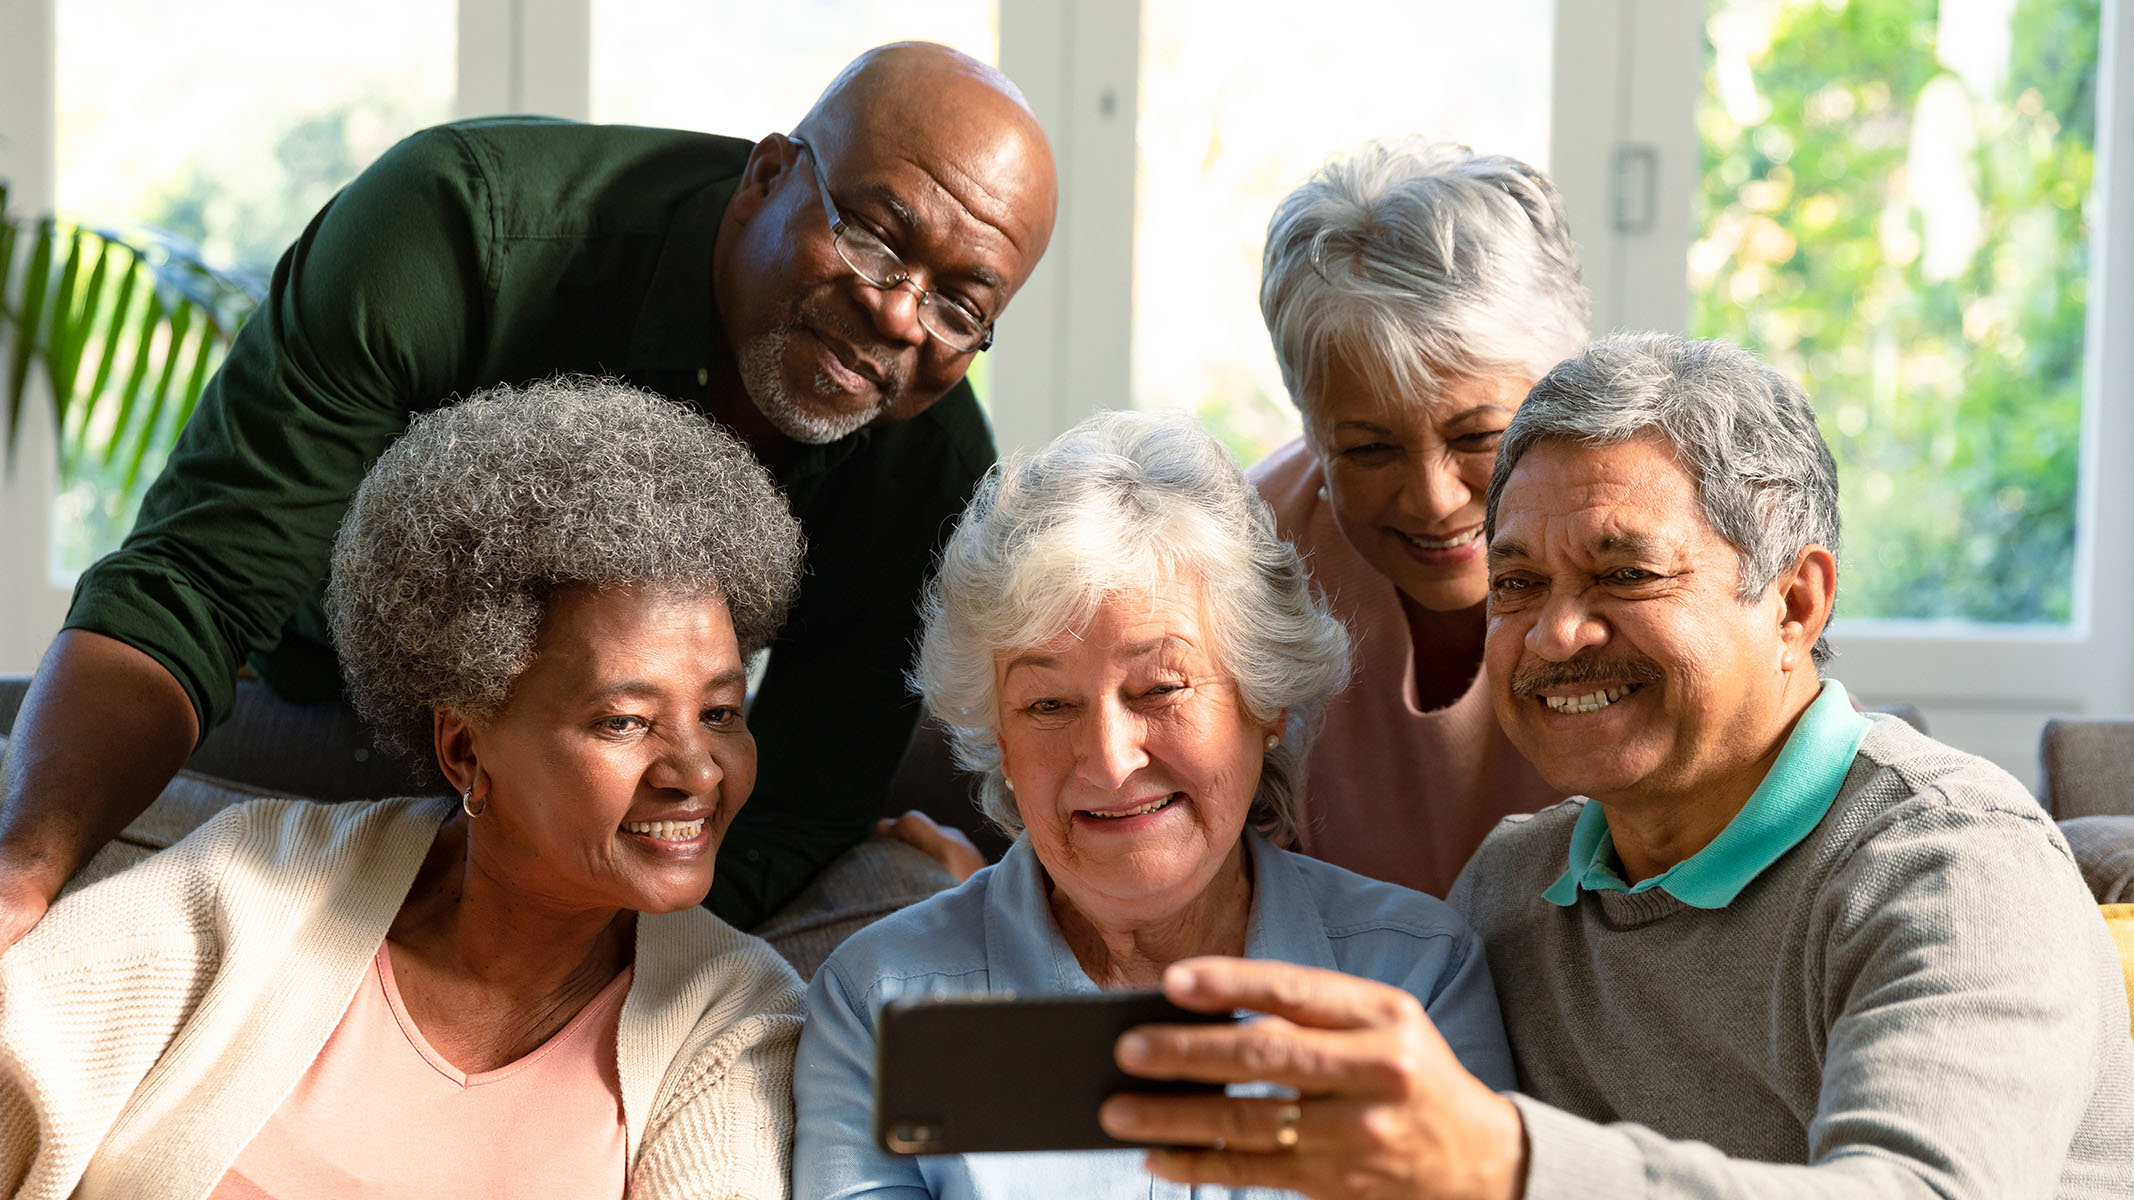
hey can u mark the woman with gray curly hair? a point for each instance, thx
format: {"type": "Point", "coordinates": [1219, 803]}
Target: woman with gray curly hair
{"type": "Point", "coordinates": [1134, 662]}
{"type": "Point", "coordinates": [1414, 291]}
{"type": "Point", "coordinates": [550, 593]}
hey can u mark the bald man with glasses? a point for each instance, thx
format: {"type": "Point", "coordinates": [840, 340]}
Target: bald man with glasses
{"type": "Point", "coordinates": [825, 313]}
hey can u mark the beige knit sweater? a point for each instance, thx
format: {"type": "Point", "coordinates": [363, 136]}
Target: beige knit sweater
{"type": "Point", "coordinates": [153, 1021]}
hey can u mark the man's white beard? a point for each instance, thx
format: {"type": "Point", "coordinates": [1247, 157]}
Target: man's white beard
{"type": "Point", "coordinates": [761, 362]}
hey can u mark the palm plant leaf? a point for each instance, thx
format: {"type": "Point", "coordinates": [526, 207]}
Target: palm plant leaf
{"type": "Point", "coordinates": [86, 296]}
{"type": "Point", "coordinates": [145, 431]}
{"type": "Point", "coordinates": [8, 240]}
{"type": "Point", "coordinates": [115, 320]}
{"type": "Point", "coordinates": [29, 329]}
{"type": "Point", "coordinates": [63, 343]}
{"type": "Point", "coordinates": [206, 354]}
{"type": "Point", "coordinates": [144, 346]}
{"type": "Point", "coordinates": [81, 322]}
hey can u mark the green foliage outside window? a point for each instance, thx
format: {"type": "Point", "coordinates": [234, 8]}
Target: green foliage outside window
{"type": "Point", "coordinates": [123, 329]}
{"type": "Point", "coordinates": [126, 326]}
{"type": "Point", "coordinates": [1947, 368]}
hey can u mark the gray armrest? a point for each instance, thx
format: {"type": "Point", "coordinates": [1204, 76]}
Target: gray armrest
{"type": "Point", "coordinates": [321, 751]}
{"type": "Point", "coordinates": [2087, 766]}
{"type": "Point", "coordinates": [2104, 849]}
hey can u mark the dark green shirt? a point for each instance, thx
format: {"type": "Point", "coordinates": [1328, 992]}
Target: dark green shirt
{"type": "Point", "coordinates": [499, 251]}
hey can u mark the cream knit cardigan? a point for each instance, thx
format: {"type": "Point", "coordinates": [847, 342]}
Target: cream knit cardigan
{"type": "Point", "coordinates": [153, 1021]}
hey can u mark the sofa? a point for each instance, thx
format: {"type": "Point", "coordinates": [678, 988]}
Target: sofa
{"type": "Point", "coordinates": [271, 747]}
{"type": "Point", "coordinates": [322, 751]}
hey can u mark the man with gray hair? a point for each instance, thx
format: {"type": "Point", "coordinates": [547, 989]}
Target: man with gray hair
{"type": "Point", "coordinates": [1771, 946]}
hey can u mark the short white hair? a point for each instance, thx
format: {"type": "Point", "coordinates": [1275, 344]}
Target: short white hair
{"type": "Point", "coordinates": [1119, 500]}
{"type": "Point", "coordinates": [1419, 262]}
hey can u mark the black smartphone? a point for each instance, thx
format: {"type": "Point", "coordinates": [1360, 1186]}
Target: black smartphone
{"type": "Point", "coordinates": [960, 1074]}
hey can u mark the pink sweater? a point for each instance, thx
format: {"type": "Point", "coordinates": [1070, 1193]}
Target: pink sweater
{"type": "Point", "coordinates": [1392, 792]}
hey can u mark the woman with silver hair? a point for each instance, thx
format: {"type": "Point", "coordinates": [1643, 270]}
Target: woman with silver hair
{"type": "Point", "coordinates": [550, 594]}
{"type": "Point", "coordinates": [1414, 292]}
{"type": "Point", "coordinates": [1122, 648]}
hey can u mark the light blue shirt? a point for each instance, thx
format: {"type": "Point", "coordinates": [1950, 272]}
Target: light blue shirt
{"type": "Point", "coordinates": [1785, 808]}
{"type": "Point", "coordinates": [996, 933]}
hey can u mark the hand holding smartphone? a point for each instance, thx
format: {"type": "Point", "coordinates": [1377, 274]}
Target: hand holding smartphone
{"type": "Point", "coordinates": [962, 1074]}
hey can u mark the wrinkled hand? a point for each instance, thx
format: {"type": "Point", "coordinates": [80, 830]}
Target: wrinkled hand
{"type": "Point", "coordinates": [944, 845]}
{"type": "Point", "coordinates": [1383, 1108]}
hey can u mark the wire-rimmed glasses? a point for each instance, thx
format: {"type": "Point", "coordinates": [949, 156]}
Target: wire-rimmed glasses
{"type": "Point", "coordinates": [946, 320]}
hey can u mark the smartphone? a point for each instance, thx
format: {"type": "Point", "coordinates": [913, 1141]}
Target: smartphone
{"type": "Point", "coordinates": [961, 1074]}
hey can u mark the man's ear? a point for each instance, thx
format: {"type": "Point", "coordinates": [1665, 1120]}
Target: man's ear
{"type": "Point", "coordinates": [453, 738]}
{"type": "Point", "coordinates": [767, 163]}
{"type": "Point", "coordinates": [1807, 591]}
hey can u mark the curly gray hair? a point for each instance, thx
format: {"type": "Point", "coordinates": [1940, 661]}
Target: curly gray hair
{"type": "Point", "coordinates": [1419, 261]}
{"type": "Point", "coordinates": [465, 526]}
{"type": "Point", "coordinates": [1121, 499]}
{"type": "Point", "coordinates": [1744, 431]}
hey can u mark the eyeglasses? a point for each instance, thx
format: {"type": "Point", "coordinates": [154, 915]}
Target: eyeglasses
{"type": "Point", "coordinates": [948, 321]}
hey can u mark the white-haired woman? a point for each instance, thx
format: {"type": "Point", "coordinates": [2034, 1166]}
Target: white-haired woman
{"type": "Point", "coordinates": [1133, 662]}
{"type": "Point", "coordinates": [1414, 291]}
{"type": "Point", "coordinates": [549, 593]}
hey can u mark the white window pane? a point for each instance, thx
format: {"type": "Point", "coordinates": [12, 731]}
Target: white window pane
{"type": "Point", "coordinates": [225, 124]}
{"type": "Point", "coordinates": [1894, 210]}
{"type": "Point", "coordinates": [746, 70]}
{"type": "Point", "coordinates": [230, 122]}
{"type": "Point", "coordinates": [1240, 100]}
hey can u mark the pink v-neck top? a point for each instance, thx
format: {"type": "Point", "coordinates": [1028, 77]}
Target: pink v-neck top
{"type": "Point", "coordinates": [383, 1114]}
{"type": "Point", "coordinates": [1391, 790]}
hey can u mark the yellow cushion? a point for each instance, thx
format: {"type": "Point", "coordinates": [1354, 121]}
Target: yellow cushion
{"type": "Point", "coordinates": [2119, 918]}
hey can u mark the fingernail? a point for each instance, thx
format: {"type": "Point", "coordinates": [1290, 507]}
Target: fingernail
{"type": "Point", "coordinates": [1182, 978]}
{"type": "Point", "coordinates": [1133, 1049]}
{"type": "Point", "coordinates": [1118, 1114]}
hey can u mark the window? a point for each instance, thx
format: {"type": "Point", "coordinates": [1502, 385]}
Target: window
{"type": "Point", "coordinates": [223, 124]}
{"type": "Point", "coordinates": [1893, 208]}
{"type": "Point", "coordinates": [748, 69]}
{"type": "Point", "coordinates": [745, 70]}
{"type": "Point", "coordinates": [1239, 103]}
{"type": "Point", "coordinates": [1897, 201]}
{"type": "Point", "coordinates": [1953, 292]}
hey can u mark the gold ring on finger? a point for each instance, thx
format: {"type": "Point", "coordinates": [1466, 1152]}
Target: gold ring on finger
{"type": "Point", "coordinates": [1287, 1118]}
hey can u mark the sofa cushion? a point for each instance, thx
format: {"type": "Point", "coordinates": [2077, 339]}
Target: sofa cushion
{"type": "Point", "coordinates": [2087, 766]}
{"type": "Point", "coordinates": [321, 751]}
{"type": "Point", "coordinates": [190, 800]}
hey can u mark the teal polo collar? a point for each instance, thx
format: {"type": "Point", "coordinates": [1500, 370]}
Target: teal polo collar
{"type": "Point", "coordinates": [1784, 809]}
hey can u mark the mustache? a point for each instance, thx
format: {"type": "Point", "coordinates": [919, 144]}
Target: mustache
{"type": "Point", "coordinates": [864, 344]}
{"type": "Point", "coordinates": [1584, 670]}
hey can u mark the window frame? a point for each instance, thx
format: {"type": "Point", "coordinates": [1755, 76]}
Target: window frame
{"type": "Point", "coordinates": [1623, 152]}
{"type": "Point", "coordinates": [1986, 688]}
